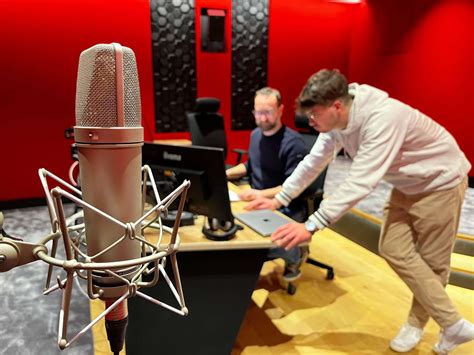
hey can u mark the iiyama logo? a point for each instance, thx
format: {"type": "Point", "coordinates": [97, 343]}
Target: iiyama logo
{"type": "Point", "coordinates": [170, 156]}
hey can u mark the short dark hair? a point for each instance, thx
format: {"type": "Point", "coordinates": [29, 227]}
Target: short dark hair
{"type": "Point", "coordinates": [322, 88]}
{"type": "Point", "coordinates": [268, 91]}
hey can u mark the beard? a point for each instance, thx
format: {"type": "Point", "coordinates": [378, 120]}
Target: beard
{"type": "Point", "coordinates": [266, 126]}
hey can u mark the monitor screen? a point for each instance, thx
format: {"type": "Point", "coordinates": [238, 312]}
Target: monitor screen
{"type": "Point", "coordinates": [204, 167]}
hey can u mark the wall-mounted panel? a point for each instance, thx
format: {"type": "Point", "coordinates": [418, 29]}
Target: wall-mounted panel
{"type": "Point", "coordinates": [174, 62]}
{"type": "Point", "coordinates": [249, 58]}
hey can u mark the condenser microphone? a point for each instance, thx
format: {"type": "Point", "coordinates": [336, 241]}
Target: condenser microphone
{"type": "Point", "coordinates": [109, 138]}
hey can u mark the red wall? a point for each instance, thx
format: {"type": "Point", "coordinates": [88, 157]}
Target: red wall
{"type": "Point", "coordinates": [421, 52]}
{"type": "Point", "coordinates": [304, 37]}
{"type": "Point", "coordinates": [41, 43]}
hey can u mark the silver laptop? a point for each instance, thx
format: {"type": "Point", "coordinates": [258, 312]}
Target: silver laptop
{"type": "Point", "coordinates": [264, 222]}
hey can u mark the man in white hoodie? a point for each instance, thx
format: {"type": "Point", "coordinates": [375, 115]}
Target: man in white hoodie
{"type": "Point", "coordinates": [389, 140]}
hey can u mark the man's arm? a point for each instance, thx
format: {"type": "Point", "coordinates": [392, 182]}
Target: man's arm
{"type": "Point", "coordinates": [306, 171]}
{"type": "Point", "coordinates": [290, 235]}
{"type": "Point", "coordinates": [271, 192]}
{"type": "Point", "coordinates": [382, 138]}
{"type": "Point", "coordinates": [263, 203]}
{"type": "Point", "coordinates": [236, 172]}
{"type": "Point", "coordinates": [252, 194]}
{"type": "Point", "coordinates": [309, 168]}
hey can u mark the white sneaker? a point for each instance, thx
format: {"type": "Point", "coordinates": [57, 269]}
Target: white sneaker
{"type": "Point", "coordinates": [407, 338]}
{"type": "Point", "coordinates": [460, 332]}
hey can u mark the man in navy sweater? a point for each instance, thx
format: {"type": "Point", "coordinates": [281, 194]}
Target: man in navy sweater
{"type": "Point", "coordinates": [274, 152]}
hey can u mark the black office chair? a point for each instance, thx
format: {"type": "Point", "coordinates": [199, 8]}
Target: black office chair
{"type": "Point", "coordinates": [313, 193]}
{"type": "Point", "coordinates": [206, 126]}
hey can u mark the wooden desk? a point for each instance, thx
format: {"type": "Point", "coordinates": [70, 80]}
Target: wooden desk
{"type": "Point", "coordinates": [218, 279]}
{"type": "Point", "coordinates": [192, 238]}
{"type": "Point", "coordinates": [173, 141]}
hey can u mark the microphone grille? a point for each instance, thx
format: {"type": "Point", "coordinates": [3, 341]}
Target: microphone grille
{"type": "Point", "coordinates": [96, 91]}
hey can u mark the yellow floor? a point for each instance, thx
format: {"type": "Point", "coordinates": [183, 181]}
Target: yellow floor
{"type": "Point", "coordinates": [356, 313]}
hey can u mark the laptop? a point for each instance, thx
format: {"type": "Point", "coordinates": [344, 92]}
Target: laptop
{"type": "Point", "coordinates": [264, 222]}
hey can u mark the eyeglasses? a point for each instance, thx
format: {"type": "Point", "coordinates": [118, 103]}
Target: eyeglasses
{"type": "Point", "coordinates": [311, 115]}
{"type": "Point", "coordinates": [265, 113]}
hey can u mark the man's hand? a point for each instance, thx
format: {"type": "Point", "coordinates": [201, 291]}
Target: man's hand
{"type": "Point", "coordinates": [290, 235]}
{"type": "Point", "coordinates": [249, 194]}
{"type": "Point", "coordinates": [263, 203]}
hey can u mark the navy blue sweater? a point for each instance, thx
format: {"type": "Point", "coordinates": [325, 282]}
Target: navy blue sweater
{"type": "Point", "coordinates": [273, 158]}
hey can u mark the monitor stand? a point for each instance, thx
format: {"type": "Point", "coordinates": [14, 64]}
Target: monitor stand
{"type": "Point", "coordinates": [187, 218]}
{"type": "Point", "coordinates": [214, 229]}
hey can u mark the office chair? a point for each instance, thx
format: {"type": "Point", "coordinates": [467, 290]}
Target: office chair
{"type": "Point", "coordinates": [206, 126]}
{"type": "Point", "coordinates": [313, 193]}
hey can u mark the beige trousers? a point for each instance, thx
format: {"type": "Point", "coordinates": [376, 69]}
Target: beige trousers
{"type": "Point", "coordinates": [416, 240]}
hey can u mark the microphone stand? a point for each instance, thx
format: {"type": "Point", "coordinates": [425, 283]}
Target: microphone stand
{"type": "Point", "coordinates": [14, 252]}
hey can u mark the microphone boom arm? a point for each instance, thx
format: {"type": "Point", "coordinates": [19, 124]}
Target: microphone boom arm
{"type": "Point", "coordinates": [15, 252]}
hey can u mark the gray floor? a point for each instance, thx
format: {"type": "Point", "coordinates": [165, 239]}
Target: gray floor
{"type": "Point", "coordinates": [28, 320]}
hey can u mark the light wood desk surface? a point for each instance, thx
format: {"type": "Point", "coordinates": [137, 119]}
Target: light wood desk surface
{"type": "Point", "coordinates": [173, 141]}
{"type": "Point", "coordinates": [192, 238]}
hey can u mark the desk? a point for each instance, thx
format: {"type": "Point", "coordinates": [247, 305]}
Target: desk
{"type": "Point", "coordinates": [173, 141]}
{"type": "Point", "coordinates": [218, 279]}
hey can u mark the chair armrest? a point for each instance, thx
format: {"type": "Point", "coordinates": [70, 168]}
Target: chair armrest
{"type": "Point", "coordinates": [240, 154]}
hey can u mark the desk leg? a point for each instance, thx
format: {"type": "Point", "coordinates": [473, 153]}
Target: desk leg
{"type": "Point", "coordinates": [217, 288]}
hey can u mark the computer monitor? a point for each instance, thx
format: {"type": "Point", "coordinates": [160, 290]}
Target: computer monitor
{"type": "Point", "coordinates": [204, 167]}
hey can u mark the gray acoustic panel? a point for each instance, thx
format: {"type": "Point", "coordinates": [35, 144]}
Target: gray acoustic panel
{"type": "Point", "coordinates": [174, 58]}
{"type": "Point", "coordinates": [249, 58]}
{"type": "Point", "coordinates": [462, 279]}
{"type": "Point", "coordinates": [464, 246]}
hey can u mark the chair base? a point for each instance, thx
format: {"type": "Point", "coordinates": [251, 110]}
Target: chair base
{"type": "Point", "coordinates": [330, 269]}
{"type": "Point", "coordinates": [291, 288]}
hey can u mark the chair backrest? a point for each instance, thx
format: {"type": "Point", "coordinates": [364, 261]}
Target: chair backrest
{"type": "Point", "coordinates": [206, 125]}
{"type": "Point", "coordinates": [318, 185]}
{"type": "Point", "coordinates": [314, 192]}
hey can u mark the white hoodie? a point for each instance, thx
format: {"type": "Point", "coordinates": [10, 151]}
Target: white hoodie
{"type": "Point", "coordinates": [386, 139]}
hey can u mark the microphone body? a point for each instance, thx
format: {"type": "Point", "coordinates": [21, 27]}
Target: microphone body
{"type": "Point", "coordinates": [109, 138]}
{"type": "Point", "coordinates": [110, 178]}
